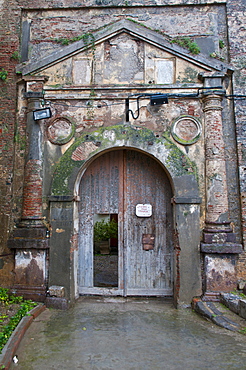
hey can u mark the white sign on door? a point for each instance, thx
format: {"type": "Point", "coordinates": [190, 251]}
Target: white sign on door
{"type": "Point", "coordinates": [143, 210]}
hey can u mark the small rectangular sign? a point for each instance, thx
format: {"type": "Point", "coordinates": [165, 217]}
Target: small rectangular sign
{"type": "Point", "coordinates": [143, 210]}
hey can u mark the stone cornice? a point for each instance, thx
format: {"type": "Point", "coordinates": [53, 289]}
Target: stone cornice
{"type": "Point", "coordinates": [32, 5]}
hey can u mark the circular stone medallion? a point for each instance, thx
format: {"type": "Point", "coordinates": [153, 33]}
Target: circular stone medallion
{"type": "Point", "coordinates": [60, 131]}
{"type": "Point", "coordinates": [186, 130]}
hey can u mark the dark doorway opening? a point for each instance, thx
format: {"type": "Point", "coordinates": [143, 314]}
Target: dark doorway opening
{"type": "Point", "coordinates": [105, 266]}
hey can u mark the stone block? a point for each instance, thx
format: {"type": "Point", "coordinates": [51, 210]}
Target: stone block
{"type": "Point", "coordinates": [58, 303]}
{"type": "Point", "coordinates": [220, 272]}
{"type": "Point", "coordinates": [206, 44]}
{"type": "Point", "coordinates": [242, 308]}
{"type": "Point", "coordinates": [231, 301]}
{"type": "Point", "coordinates": [56, 291]}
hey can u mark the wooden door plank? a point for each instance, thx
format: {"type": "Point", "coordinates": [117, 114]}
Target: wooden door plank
{"type": "Point", "coordinates": [99, 194]}
{"type": "Point", "coordinates": [146, 182]}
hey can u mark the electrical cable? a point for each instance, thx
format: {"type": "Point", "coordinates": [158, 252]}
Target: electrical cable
{"type": "Point", "coordinates": [145, 95]}
{"type": "Point", "coordinates": [235, 97]}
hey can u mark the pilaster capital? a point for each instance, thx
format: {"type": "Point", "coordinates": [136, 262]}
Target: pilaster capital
{"type": "Point", "coordinates": [34, 89]}
{"type": "Point", "coordinates": [34, 99]}
{"type": "Point", "coordinates": [29, 78]}
{"type": "Point", "coordinates": [212, 101]}
{"type": "Point", "coordinates": [212, 79]}
{"type": "Point", "coordinates": [213, 93]}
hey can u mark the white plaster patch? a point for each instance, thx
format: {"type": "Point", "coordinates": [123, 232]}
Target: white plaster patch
{"type": "Point", "coordinates": [222, 266]}
{"type": "Point", "coordinates": [110, 135]}
{"type": "Point", "coordinates": [65, 147]}
{"type": "Point", "coordinates": [82, 71]}
{"type": "Point", "coordinates": [24, 258]}
{"type": "Point", "coordinates": [164, 71]}
{"type": "Point", "coordinates": [192, 209]}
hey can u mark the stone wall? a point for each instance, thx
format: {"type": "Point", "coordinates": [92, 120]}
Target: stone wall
{"type": "Point", "coordinates": [45, 23]}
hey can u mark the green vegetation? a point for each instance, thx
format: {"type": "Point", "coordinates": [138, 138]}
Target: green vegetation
{"type": "Point", "coordinates": [105, 230]}
{"type": "Point", "coordinates": [242, 331]}
{"type": "Point", "coordinates": [176, 160]}
{"type": "Point", "coordinates": [216, 56]}
{"type": "Point", "coordinates": [239, 294]}
{"type": "Point", "coordinates": [3, 74]}
{"type": "Point", "coordinates": [221, 44]}
{"type": "Point", "coordinates": [87, 38]}
{"type": "Point", "coordinates": [187, 43]}
{"type": "Point", "coordinates": [15, 56]}
{"type": "Point", "coordinates": [15, 305]}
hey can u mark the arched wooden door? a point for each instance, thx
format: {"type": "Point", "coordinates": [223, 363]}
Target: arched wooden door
{"type": "Point", "coordinates": [133, 188]}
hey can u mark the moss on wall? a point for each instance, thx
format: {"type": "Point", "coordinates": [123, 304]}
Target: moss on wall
{"type": "Point", "coordinates": [173, 158]}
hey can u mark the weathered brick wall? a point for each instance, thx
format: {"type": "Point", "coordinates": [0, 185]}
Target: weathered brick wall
{"type": "Point", "coordinates": [236, 13]}
{"type": "Point", "coordinates": [9, 44]}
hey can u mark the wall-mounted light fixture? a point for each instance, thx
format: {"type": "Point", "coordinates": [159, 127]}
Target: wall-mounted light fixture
{"type": "Point", "coordinates": [155, 99]}
{"type": "Point", "coordinates": [41, 114]}
{"type": "Point", "coordinates": [158, 99]}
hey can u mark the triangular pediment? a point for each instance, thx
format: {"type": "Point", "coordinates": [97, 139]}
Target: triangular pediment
{"type": "Point", "coordinates": [123, 39]}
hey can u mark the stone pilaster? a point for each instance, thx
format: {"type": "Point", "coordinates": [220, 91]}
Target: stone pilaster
{"type": "Point", "coordinates": [217, 229]}
{"type": "Point", "coordinates": [219, 241]}
{"type": "Point", "coordinates": [29, 239]}
{"type": "Point", "coordinates": [32, 193]}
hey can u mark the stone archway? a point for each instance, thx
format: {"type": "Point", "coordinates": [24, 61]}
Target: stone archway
{"type": "Point", "coordinates": [65, 204]}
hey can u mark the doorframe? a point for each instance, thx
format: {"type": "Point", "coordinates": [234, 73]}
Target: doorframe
{"type": "Point", "coordinates": [186, 205]}
{"type": "Point", "coordinates": [123, 290]}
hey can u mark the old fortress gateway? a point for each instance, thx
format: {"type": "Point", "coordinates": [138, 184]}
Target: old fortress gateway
{"type": "Point", "coordinates": [122, 122]}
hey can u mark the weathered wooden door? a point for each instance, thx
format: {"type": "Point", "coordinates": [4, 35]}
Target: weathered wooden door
{"type": "Point", "coordinates": [116, 183]}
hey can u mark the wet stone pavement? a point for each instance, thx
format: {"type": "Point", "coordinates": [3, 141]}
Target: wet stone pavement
{"type": "Point", "coordinates": [128, 334]}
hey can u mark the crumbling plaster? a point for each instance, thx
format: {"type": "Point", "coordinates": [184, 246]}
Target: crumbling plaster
{"type": "Point", "coordinates": [48, 24]}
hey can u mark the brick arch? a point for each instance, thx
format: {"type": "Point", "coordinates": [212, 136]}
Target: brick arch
{"type": "Point", "coordinates": [72, 164]}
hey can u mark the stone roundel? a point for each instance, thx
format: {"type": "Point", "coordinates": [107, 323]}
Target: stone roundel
{"type": "Point", "coordinates": [60, 130]}
{"type": "Point", "coordinates": [186, 130]}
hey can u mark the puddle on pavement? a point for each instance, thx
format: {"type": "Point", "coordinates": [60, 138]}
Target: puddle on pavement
{"type": "Point", "coordinates": [128, 334]}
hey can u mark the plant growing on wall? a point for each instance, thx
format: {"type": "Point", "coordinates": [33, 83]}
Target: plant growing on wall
{"type": "Point", "coordinates": [3, 74]}
{"type": "Point", "coordinates": [221, 44]}
{"type": "Point", "coordinates": [187, 43]}
{"type": "Point", "coordinates": [15, 56]}
{"type": "Point", "coordinates": [87, 38]}
{"type": "Point", "coordinates": [216, 56]}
